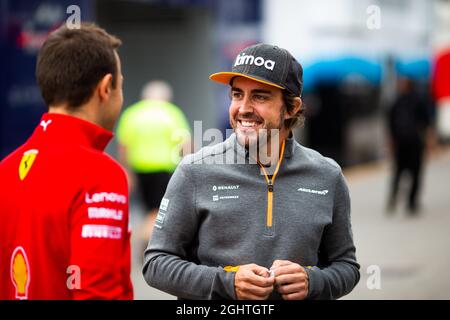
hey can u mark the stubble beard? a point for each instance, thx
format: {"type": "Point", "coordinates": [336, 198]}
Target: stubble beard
{"type": "Point", "coordinates": [260, 138]}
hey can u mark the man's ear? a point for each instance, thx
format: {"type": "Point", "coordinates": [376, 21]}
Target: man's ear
{"type": "Point", "coordinates": [104, 87]}
{"type": "Point", "coordinates": [298, 103]}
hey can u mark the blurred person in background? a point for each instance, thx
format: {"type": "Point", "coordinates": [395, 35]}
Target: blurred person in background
{"type": "Point", "coordinates": [272, 224]}
{"type": "Point", "coordinates": [152, 135]}
{"type": "Point", "coordinates": [64, 202]}
{"type": "Point", "coordinates": [410, 131]}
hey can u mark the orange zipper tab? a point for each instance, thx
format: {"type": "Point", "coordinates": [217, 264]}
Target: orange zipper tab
{"type": "Point", "coordinates": [270, 186]}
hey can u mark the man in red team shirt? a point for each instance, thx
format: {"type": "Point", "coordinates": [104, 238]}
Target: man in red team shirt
{"type": "Point", "coordinates": [63, 201]}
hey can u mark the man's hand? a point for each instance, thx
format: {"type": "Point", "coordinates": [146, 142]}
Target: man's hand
{"type": "Point", "coordinates": [252, 282]}
{"type": "Point", "coordinates": [291, 280]}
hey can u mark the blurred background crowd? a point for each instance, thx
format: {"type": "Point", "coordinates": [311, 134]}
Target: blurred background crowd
{"type": "Point", "coordinates": [376, 78]}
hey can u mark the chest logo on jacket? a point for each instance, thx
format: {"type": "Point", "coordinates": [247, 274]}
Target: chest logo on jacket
{"type": "Point", "coordinates": [319, 192]}
{"type": "Point", "coordinates": [218, 197]}
{"type": "Point", "coordinates": [26, 163]}
{"type": "Point", "coordinates": [225, 188]}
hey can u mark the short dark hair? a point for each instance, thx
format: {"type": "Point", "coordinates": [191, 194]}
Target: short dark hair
{"type": "Point", "coordinates": [72, 62]}
{"type": "Point", "coordinates": [297, 119]}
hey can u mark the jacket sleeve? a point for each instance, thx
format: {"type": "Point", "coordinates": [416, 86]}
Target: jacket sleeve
{"type": "Point", "coordinates": [338, 271]}
{"type": "Point", "coordinates": [169, 261]}
{"type": "Point", "coordinates": [100, 238]}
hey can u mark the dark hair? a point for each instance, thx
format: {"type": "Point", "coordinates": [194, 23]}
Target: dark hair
{"type": "Point", "coordinates": [72, 62]}
{"type": "Point", "coordinates": [297, 119]}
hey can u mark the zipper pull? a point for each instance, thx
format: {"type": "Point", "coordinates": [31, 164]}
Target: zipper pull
{"type": "Point", "coordinates": [270, 186]}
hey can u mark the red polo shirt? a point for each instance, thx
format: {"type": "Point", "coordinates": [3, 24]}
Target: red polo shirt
{"type": "Point", "coordinates": [64, 216]}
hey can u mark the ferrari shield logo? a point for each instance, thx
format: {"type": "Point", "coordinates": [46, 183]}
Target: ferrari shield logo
{"type": "Point", "coordinates": [20, 273]}
{"type": "Point", "coordinates": [27, 162]}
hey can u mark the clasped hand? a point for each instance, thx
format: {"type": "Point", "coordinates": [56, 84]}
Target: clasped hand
{"type": "Point", "coordinates": [254, 282]}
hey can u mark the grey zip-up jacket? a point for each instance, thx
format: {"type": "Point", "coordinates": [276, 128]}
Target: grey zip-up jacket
{"type": "Point", "coordinates": [219, 211]}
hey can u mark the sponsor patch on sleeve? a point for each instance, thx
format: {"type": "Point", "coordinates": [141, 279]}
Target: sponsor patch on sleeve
{"type": "Point", "coordinates": [101, 232]}
{"type": "Point", "coordinates": [164, 204]}
{"type": "Point", "coordinates": [160, 219]}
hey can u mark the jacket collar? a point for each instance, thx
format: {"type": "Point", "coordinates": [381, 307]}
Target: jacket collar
{"type": "Point", "coordinates": [72, 130]}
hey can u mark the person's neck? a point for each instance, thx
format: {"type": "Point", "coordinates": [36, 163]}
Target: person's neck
{"type": "Point", "coordinates": [85, 112]}
{"type": "Point", "coordinates": [269, 153]}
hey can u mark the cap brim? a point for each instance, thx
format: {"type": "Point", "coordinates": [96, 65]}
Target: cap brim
{"type": "Point", "coordinates": [225, 78]}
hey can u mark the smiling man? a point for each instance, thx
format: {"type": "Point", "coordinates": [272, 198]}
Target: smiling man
{"type": "Point", "coordinates": [257, 115]}
{"type": "Point", "coordinates": [274, 223]}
